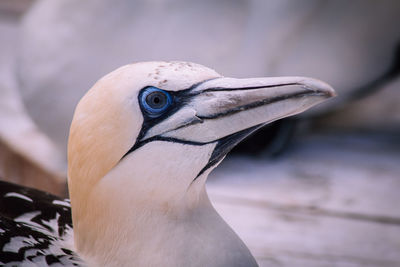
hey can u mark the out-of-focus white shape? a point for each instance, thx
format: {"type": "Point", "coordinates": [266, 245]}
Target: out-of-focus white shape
{"type": "Point", "coordinates": [17, 130]}
{"type": "Point", "coordinates": [68, 44]}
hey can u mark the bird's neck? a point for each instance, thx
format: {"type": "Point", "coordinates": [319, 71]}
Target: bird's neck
{"type": "Point", "coordinates": [159, 236]}
{"type": "Point", "coordinates": [151, 212]}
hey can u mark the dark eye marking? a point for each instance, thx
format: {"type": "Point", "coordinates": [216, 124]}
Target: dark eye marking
{"type": "Point", "coordinates": [175, 101]}
{"type": "Point", "coordinates": [155, 101]}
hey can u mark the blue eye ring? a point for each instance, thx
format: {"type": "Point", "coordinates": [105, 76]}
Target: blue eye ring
{"type": "Point", "coordinates": [155, 101]}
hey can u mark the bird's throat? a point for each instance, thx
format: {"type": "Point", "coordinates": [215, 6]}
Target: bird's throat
{"type": "Point", "coordinates": [144, 236]}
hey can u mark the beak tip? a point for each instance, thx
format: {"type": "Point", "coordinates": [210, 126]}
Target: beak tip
{"type": "Point", "coordinates": [329, 92]}
{"type": "Point", "coordinates": [319, 87]}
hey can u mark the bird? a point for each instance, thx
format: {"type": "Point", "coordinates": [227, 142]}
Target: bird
{"type": "Point", "coordinates": [142, 143]}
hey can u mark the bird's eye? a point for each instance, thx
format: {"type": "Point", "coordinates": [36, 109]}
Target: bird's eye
{"type": "Point", "coordinates": [155, 101]}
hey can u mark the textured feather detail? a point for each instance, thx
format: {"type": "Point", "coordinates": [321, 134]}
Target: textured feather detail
{"type": "Point", "coordinates": [35, 228]}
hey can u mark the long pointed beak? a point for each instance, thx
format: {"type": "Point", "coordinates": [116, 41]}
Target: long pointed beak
{"type": "Point", "coordinates": [224, 106]}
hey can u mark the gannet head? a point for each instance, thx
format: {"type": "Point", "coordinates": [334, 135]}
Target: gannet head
{"type": "Point", "coordinates": [146, 136]}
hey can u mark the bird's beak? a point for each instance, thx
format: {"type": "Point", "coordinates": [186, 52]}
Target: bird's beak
{"type": "Point", "coordinates": [224, 107]}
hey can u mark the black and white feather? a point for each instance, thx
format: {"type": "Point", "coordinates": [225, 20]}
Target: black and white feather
{"type": "Point", "coordinates": [35, 228]}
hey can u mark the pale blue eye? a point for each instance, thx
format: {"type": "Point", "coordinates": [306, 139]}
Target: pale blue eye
{"type": "Point", "coordinates": [155, 101]}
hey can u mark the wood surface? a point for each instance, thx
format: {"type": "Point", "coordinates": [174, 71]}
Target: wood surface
{"type": "Point", "coordinates": [330, 201]}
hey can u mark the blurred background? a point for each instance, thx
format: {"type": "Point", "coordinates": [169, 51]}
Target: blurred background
{"type": "Point", "coordinates": [320, 189]}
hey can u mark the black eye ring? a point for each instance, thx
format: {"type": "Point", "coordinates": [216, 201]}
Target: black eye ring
{"type": "Point", "coordinates": [155, 101]}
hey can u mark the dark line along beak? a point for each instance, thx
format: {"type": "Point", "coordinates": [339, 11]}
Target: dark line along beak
{"type": "Point", "coordinates": [224, 106]}
{"type": "Point", "coordinates": [226, 110]}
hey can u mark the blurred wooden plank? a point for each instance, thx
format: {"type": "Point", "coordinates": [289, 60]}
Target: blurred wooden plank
{"type": "Point", "coordinates": [331, 201]}
{"type": "Point", "coordinates": [280, 238]}
{"type": "Point", "coordinates": [342, 175]}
